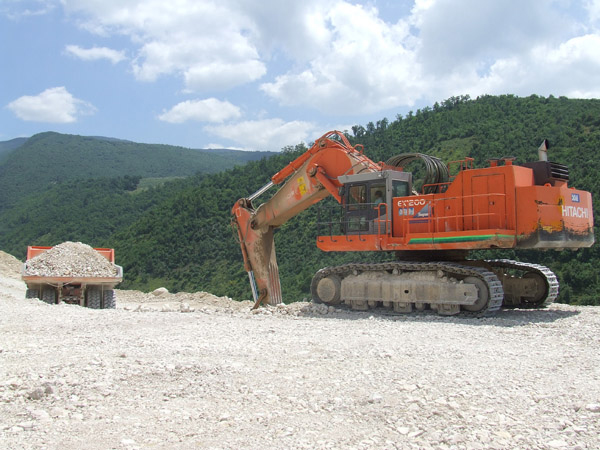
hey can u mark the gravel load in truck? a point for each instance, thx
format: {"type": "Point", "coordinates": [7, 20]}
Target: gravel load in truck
{"type": "Point", "coordinates": [70, 259]}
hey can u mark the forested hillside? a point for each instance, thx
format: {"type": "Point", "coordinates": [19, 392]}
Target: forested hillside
{"type": "Point", "coordinates": [51, 158]}
{"type": "Point", "coordinates": [8, 146]}
{"type": "Point", "coordinates": [177, 235]}
{"type": "Point", "coordinates": [96, 208]}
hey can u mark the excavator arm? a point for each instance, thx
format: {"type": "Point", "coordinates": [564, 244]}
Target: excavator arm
{"type": "Point", "coordinates": [305, 181]}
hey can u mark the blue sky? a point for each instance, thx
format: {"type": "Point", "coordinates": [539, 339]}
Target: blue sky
{"type": "Point", "coordinates": [263, 74]}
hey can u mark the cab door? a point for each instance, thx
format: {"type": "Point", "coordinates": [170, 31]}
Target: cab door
{"type": "Point", "coordinates": [356, 209]}
{"type": "Point", "coordinates": [365, 207]}
{"type": "Point", "coordinates": [488, 202]}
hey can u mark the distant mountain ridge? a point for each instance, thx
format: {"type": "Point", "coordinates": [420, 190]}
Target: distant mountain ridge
{"type": "Point", "coordinates": [13, 144]}
{"type": "Point", "coordinates": [8, 146]}
{"type": "Point", "coordinates": [28, 165]}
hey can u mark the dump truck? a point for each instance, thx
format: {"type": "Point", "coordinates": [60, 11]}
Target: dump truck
{"type": "Point", "coordinates": [431, 231]}
{"type": "Point", "coordinates": [84, 276]}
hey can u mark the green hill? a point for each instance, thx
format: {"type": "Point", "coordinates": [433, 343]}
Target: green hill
{"type": "Point", "coordinates": [177, 234]}
{"type": "Point", "coordinates": [50, 158]}
{"type": "Point", "coordinates": [8, 146]}
{"type": "Point", "coordinates": [96, 209]}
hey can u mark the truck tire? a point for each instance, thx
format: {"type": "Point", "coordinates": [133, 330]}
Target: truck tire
{"type": "Point", "coordinates": [49, 295]}
{"type": "Point", "coordinates": [93, 297]}
{"type": "Point", "coordinates": [32, 293]}
{"type": "Point", "coordinates": [110, 301]}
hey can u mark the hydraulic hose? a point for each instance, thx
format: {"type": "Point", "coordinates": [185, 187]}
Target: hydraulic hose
{"type": "Point", "coordinates": [436, 171]}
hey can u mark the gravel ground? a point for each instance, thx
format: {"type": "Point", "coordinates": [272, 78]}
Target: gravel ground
{"type": "Point", "coordinates": [197, 371]}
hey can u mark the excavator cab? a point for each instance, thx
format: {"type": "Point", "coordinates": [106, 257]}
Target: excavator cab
{"type": "Point", "coordinates": [367, 200]}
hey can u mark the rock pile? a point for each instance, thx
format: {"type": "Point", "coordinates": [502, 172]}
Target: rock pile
{"type": "Point", "coordinates": [70, 259]}
{"type": "Point", "coordinates": [10, 266]}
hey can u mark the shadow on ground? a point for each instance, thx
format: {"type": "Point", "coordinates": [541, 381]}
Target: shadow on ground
{"type": "Point", "coordinates": [503, 318]}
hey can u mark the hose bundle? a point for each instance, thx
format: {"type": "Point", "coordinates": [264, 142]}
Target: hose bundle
{"type": "Point", "coordinates": [436, 171]}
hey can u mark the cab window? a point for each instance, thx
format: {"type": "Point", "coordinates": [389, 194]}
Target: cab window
{"type": "Point", "coordinates": [357, 197]}
{"type": "Point", "coordinates": [400, 189]}
{"type": "Point", "coordinates": [378, 194]}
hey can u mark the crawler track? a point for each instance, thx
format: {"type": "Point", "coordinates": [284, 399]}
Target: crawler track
{"type": "Point", "coordinates": [549, 277]}
{"type": "Point", "coordinates": [450, 269]}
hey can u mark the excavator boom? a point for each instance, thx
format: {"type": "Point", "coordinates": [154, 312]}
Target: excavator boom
{"type": "Point", "coordinates": [308, 179]}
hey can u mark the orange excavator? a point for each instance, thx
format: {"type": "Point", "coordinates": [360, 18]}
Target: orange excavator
{"type": "Point", "coordinates": [502, 206]}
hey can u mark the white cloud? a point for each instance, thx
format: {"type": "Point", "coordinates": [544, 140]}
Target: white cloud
{"type": "Point", "coordinates": [474, 33]}
{"type": "Point", "coordinates": [571, 69]}
{"type": "Point", "coordinates": [203, 63]}
{"type": "Point", "coordinates": [264, 135]}
{"type": "Point", "coordinates": [205, 43]}
{"type": "Point", "coordinates": [593, 9]}
{"type": "Point", "coordinates": [298, 28]}
{"type": "Point", "coordinates": [18, 9]}
{"type": "Point", "coordinates": [367, 66]}
{"type": "Point", "coordinates": [54, 105]}
{"type": "Point", "coordinates": [214, 145]}
{"type": "Point", "coordinates": [208, 110]}
{"type": "Point", "coordinates": [343, 58]}
{"type": "Point", "coordinates": [95, 53]}
{"type": "Point", "coordinates": [444, 48]}
{"type": "Point", "coordinates": [221, 76]}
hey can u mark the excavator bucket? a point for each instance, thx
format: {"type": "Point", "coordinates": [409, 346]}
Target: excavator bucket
{"type": "Point", "coordinates": [258, 249]}
{"type": "Point", "coordinates": [264, 264]}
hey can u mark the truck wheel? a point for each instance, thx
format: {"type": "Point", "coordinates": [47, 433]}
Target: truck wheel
{"type": "Point", "coordinates": [49, 295]}
{"type": "Point", "coordinates": [110, 301]}
{"type": "Point", "coordinates": [32, 293]}
{"type": "Point", "coordinates": [93, 296]}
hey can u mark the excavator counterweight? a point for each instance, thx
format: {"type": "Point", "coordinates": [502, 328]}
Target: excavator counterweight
{"type": "Point", "coordinates": [505, 205]}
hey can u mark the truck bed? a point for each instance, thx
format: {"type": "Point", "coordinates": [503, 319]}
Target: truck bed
{"type": "Point", "coordinates": [35, 250]}
{"type": "Point", "coordinates": [73, 280]}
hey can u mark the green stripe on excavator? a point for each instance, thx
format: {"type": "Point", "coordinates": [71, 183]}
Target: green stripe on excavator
{"type": "Point", "coordinates": [480, 237]}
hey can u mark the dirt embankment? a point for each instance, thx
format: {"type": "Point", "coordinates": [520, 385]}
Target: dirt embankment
{"type": "Point", "coordinates": [195, 370]}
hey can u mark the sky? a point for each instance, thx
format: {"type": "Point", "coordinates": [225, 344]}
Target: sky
{"type": "Point", "coordinates": [266, 74]}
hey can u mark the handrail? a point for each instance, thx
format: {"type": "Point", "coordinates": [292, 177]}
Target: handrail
{"type": "Point", "coordinates": [382, 222]}
{"type": "Point", "coordinates": [440, 185]}
{"type": "Point", "coordinates": [465, 164]}
{"type": "Point", "coordinates": [377, 220]}
{"type": "Point", "coordinates": [344, 224]}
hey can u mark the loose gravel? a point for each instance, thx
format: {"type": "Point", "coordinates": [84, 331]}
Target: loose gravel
{"type": "Point", "coordinates": [179, 371]}
{"type": "Point", "coordinates": [70, 259]}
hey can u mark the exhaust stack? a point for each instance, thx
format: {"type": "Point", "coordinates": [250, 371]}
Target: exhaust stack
{"type": "Point", "coordinates": [543, 150]}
